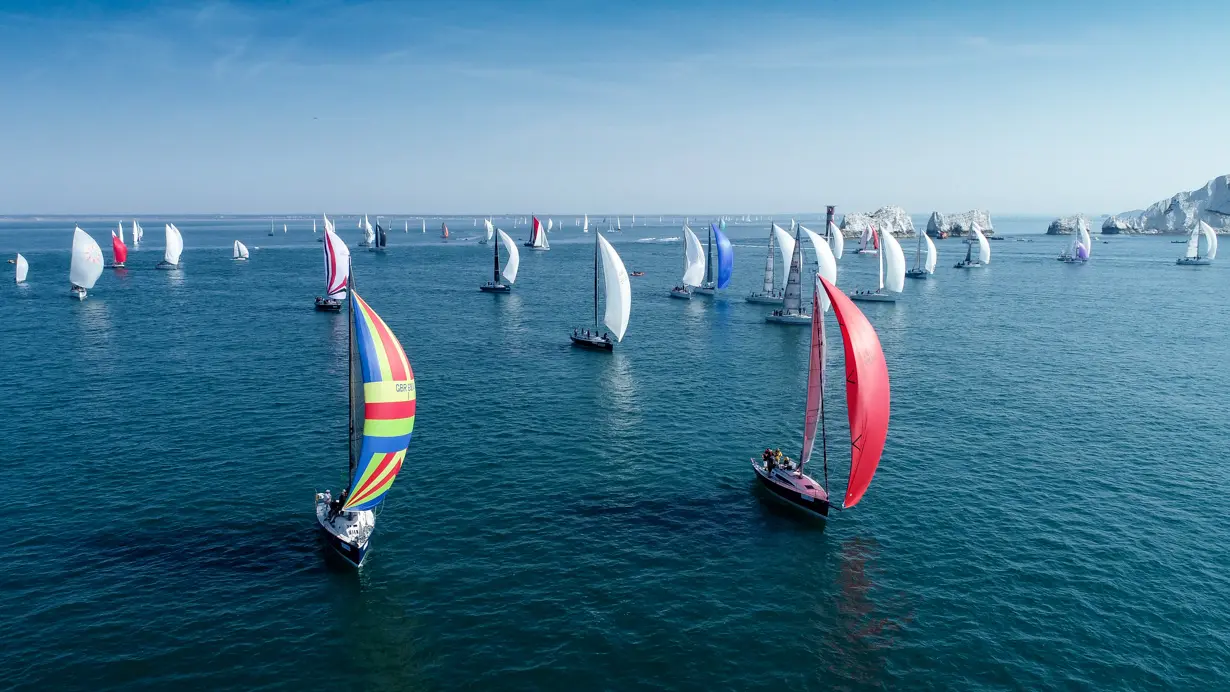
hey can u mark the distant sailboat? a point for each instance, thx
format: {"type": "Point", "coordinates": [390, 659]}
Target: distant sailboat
{"type": "Point", "coordinates": [174, 248]}
{"type": "Point", "coordinates": [490, 229]}
{"type": "Point", "coordinates": [792, 302]}
{"type": "Point", "coordinates": [618, 225]}
{"type": "Point", "coordinates": [768, 295]}
{"type": "Point", "coordinates": [119, 251]}
{"type": "Point", "coordinates": [509, 273]}
{"type": "Point", "coordinates": [313, 226]}
{"type": "Point", "coordinates": [337, 271]}
{"type": "Point", "coordinates": [284, 228]}
{"type": "Point", "coordinates": [138, 234]}
{"type": "Point", "coordinates": [1192, 257]}
{"type": "Point", "coordinates": [891, 265]}
{"type": "Point", "coordinates": [424, 225]}
{"type": "Point", "coordinates": [837, 243]}
{"type": "Point", "coordinates": [538, 236]}
{"type": "Point", "coordinates": [328, 227]}
{"type": "Point", "coordinates": [369, 233]}
{"type": "Point", "coordinates": [616, 294]}
{"type": "Point", "coordinates": [86, 264]}
{"type": "Point", "coordinates": [725, 262]}
{"type": "Point", "coordinates": [694, 266]}
{"type": "Point", "coordinates": [923, 268]}
{"type": "Point", "coordinates": [984, 250]}
{"type": "Point", "coordinates": [381, 421]}
{"type": "Point", "coordinates": [23, 268]}
{"type": "Point", "coordinates": [380, 238]}
{"type": "Point", "coordinates": [270, 227]}
{"type": "Point", "coordinates": [240, 251]}
{"type": "Point", "coordinates": [407, 228]}
{"type": "Point", "coordinates": [867, 400]}
{"type": "Point", "coordinates": [585, 224]}
{"type": "Point", "coordinates": [1078, 250]}
{"type": "Point", "coordinates": [444, 230]}
{"type": "Point", "coordinates": [869, 236]}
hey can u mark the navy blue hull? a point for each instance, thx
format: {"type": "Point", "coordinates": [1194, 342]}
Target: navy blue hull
{"type": "Point", "coordinates": [350, 553]}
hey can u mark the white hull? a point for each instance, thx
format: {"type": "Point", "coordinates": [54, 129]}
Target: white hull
{"type": "Point", "coordinates": [763, 299]}
{"type": "Point", "coordinates": [873, 297]}
{"type": "Point", "coordinates": [682, 295]}
{"type": "Point", "coordinates": [867, 252]}
{"type": "Point", "coordinates": [240, 259]}
{"type": "Point", "coordinates": [705, 291]}
{"type": "Point", "coordinates": [788, 319]}
{"type": "Point", "coordinates": [78, 293]}
{"type": "Point", "coordinates": [1194, 262]}
{"type": "Point", "coordinates": [167, 266]}
{"type": "Point", "coordinates": [347, 533]}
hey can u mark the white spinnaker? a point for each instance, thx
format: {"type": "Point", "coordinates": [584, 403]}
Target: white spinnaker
{"type": "Point", "coordinates": [1210, 236]}
{"type": "Point", "coordinates": [490, 230]}
{"type": "Point", "coordinates": [1193, 243]}
{"type": "Point", "coordinates": [241, 250]}
{"type": "Point", "coordinates": [825, 262]}
{"type": "Point", "coordinates": [932, 255]}
{"type": "Point", "coordinates": [509, 272]}
{"type": "Point", "coordinates": [836, 240]}
{"type": "Point", "coordinates": [87, 262]}
{"type": "Point", "coordinates": [23, 267]}
{"type": "Point", "coordinates": [369, 233]}
{"type": "Point", "coordinates": [550, 223]}
{"type": "Point", "coordinates": [585, 227]}
{"type": "Point", "coordinates": [894, 262]}
{"type": "Point", "coordinates": [694, 259]}
{"type": "Point", "coordinates": [984, 248]}
{"type": "Point", "coordinates": [617, 290]}
{"type": "Point", "coordinates": [175, 245]}
{"type": "Point", "coordinates": [785, 243]}
{"type": "Point", "coordinates": [1085, 239]}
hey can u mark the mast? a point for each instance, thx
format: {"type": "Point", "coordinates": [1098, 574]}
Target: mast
{"type": "Point", "coordinates": [495, 251]}
{"type": "Point", "coordinates": [879, 256]}
{"type": "Point", "coordinates": [969, 248]}
{"type": "Point", "coordinates": [918, 252]}
{"type": "Point", "coordinates": [350, 352]}
{"type": "Point", "coordinates": [709, 258]}
{"type": "Point", "coordinates": [595, 281]}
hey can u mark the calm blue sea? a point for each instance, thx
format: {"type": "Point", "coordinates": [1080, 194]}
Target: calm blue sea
{"type": "Point", "coordinates": [1050, 512]}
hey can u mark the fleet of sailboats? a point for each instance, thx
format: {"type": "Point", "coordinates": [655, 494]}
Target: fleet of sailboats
{"type": "Point", "coordinates": [616, 296]}
{"type": "Point", "coordinates": [174, 248]}
{"type": "Point", "coordinates": [86, 264]}
{"type": "Point", "coordinates": [509, 272]}
{"type": "Point", "coordinates": [1192, 257]}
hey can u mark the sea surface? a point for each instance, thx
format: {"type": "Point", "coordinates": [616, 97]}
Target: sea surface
{"type": "Point", "coordinates": [1050, 512]}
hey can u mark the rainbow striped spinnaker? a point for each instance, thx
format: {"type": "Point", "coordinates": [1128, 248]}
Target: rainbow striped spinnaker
{"type": "Point", "coordinates": [383, 407]}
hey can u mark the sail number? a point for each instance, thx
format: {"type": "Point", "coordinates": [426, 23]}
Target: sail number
{"type": "Point", "coordinates": [403, 387]}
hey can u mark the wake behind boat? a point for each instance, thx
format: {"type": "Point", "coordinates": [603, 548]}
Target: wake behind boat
{"type": "Point", "coordinates": [381, 413]}
{"type": "Point", "coordinates": [867, 400]}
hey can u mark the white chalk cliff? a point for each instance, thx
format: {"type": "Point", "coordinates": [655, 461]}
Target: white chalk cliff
{"type": "Point", "coordinates": [1066, 225]}
{"type": "Point", "coordinates": [959, 224]}
{"type": "Point", "coordinates": [1180, 213]}
{"type": "Point", "coordinates": [893, 219]}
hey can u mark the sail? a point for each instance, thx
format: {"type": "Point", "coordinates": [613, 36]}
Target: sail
{"type": "Point", "coordinates": [240, 250]}
{"type": "Point", "coordinates": [118, 249]}
{"type": "Point", "coordinates": [538, 237]}
{"type": "Point", "coordinates": [369, 233]}
{"type": "Point", "coordinates": [121, 226]}
{"type": "Point", "coordinates": [550, 223]}
{"type": "Point", "coordinates": [867, 393]}
{"type": "Point", "coordinates": [514, 258]}
{"type": "Point", "coordinates": [792, 303]}
{"type": "Point", "coordinates": [87, 262]}
{"type": "Point", "coordinates": [328, 224]}
{"type": "Point", "coordinates": [489, 228]}
{"type": "Point", "coordinates": [23, 267]}
{"type": "Point", "coordinates": [894, 263]}
{"type": "Point", "coordinates": [815, 374]}
{"type": "Point", "coordinates": [825, 262]}
{"type": "Point", "coordinates": [175, 245]}
{"type": "Point", "coordinates": [424, 225]}
{"type": "Point", "coordinates": [785, 244]}
{"type": "Point", "coordinates": [1085, 239]}
{"type": "Point", "coordinates": [585, 226]}
{"type": "Point", "coordinates": [1210, 237]}
{"type": "Point", "coordinates": [443, 229]}
{"type": "Point", "coordinates": [836, 241]}
{"type": "Point", "coordinates": [617, 290]}
{"type": "Point", "coordinates": [136, 234]}
{"type": "Point", "coordinates": [382, 236]}
{"type": "Point", "coordinates": [932, 255]}
{"type": "Point", "coordinates": [984, 248]}
{"type": "Point", "coordinates": [388, 407]}
{"type": "Point", "coordinates": [768, 266]}
{"type": "Point", "coordinates": [337, 265]}
{"type": "Point", "coordinates": [283, 228]}
{"type": "Point", "coordinates": [694, 259]}
{"type": "Point", "coordinates": [725, 258]}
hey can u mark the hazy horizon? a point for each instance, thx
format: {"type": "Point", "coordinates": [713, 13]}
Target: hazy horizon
{"type": "Point", "coordinates": [1040, 109]}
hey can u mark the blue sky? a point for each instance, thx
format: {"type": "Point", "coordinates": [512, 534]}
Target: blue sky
{"type": "Point", "coordinates": [571, 107]}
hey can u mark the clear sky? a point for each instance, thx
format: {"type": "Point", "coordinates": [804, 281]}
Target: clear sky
{"type": "Point", "coordinates": [570, 107]}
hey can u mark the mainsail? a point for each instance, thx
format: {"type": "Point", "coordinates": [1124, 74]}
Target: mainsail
{"type": "Point", "coordinates": [867, 393]}
{"type": "Point", "coordinates": [388, 407]}
{"type": "Point", "coordinates": [514, 258]}
{"type": "Point", "coordinates": [693, 259]}
{"type": "Point", "coordinates": [337, 264]}
{"type": "Point", "coordinates": [87, 261]}
{"type": "Point", "coordinates": [175, 245]}
{"type": "Point", "coordinates": [617, 290]}
{"type": "Point", "coordinates": [785, 244]}
{"type": "Point", "coordinates": [984, 248]}
{"type": "Point", "coordinates": [815, 377]}
{"type": "Point", "coordinates": [23, 267]}
{"type": "Point", "coordinates": [793, 300]}
{"type": "Point", "coordinates": [726, 258]}
{"type": "Point", "coordinates": [768, 265]}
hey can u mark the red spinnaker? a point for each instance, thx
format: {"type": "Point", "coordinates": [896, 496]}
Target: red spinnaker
{"type": "Point", "coordinates": [118, 249]}
{"type": "Point", "coordinates": [867, 392]}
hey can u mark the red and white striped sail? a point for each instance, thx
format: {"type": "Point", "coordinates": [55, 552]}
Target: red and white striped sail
{"type": "Point", "coordinates": [118, 249]}
{"type": "Point", "coordinates": [867, 392]}
{"type": "Point", "coordinates": [337, 265]}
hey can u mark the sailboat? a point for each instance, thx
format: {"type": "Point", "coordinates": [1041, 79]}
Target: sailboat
{"type": "Point", "coordinates": [490, 229]}
{"type": "Point", "coordinates": [424, 225]}
{"type": "Point", "coordinates": [119, 251]}
{"type": "Point", "coordinates": [23, 267]}
{"type": "Point", "coordinates": [923, 268]}
{"type": "Point", "coordinates": [509, 273]}
{"type": "Point", "coordinates": [313, 226]}
{"type": "Point", "coordinates": [284, 228]}
{"type": "Point", "coordinates": [768, 294]}
{"type": "Point", "coordinates": [369, 233]}
{"type": "Point", "coordinates": [1193, 258]}
{"type": "Point", "coordinates": [328, 226]}
{"type": "Point", "coordinates": [891, 264]}
{"type": "Point", "coordinates": [867, 401]}
{"type": "Point", "coordinates": [443, 230]}
{"type": "Point", "coordinates": [984, 250]}
{"type": "Point", "coordinates": [726, 262]}
{"type": "Point", "coordinates": [585, 224]}
{"type": "Point", "coordinates": [174, 248]}
{"type": "Point", "coordinates": [138, 234]}
{"type": "Point", "coordinates": [337, 272]}
{"type": "Point", "coordinates": [869, 236]}
{"type": "Point", "coordinates": [240, 251]}
{"type": "Point", "coordinates": [381, 420]}
{"type": "Point", "coordinates": [86, 265]}
{"type": "Point", "coordinates": [618, 226]}
{"type": "Point", "coordinates": [270, 227]}
{"type": "Point", "coordinates": [837, 242]}
{"type": "Point", "coordinates": [407, 228]}
{"type": "Point", "coordinates": [1078, 250]}
{"type": "Point", "coordinates": [792, 302]}
{"type": "Point", "coordinates": [616, 293]}
{"type": "Point", "coordinates": [694, 266]}
{"type": "Point", "coordinates": [380, 238]}
{"type": "Point", "coordinates": [538, 237]}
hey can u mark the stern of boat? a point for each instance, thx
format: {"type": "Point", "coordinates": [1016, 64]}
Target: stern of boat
{"type": "Point", "coordinates": [349, 533]}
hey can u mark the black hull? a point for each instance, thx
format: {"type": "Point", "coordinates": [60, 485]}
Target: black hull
{"type": "Point", "coordinates": [598, 345]}
{"type": "Point", "coordinates": [916, 274]}
{"type": "Point", "coordinates": [502, 288]}
{"type": "Point", "coordinates": [815, 508]}
{"type": "Point", "coordinates": [328, 306]}
{"type": "Point", "coordinates": [352, 554]}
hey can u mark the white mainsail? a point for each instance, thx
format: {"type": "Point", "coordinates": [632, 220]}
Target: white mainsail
{"type": "Point", "coordinates": [550, 223]}
{"type": "Point", "coordinates": [175, 245]}
{"type": "Point", "coordinates": [792, 302]}
{"type": "Point", "coordinates": [23, 267]}
{"type": "Point", "coordinates": [337, 265]}
{"type": "Point", "coordinates": [826, 264]}
{"type": "Point", "coordinates": [424, 225]}
{"type": "Point", "coordinates": [241, 250]}
{"type": "Point", "coordinates": [509, 272]}
{"type": "Point", "coordinates": [328, 224]}
{"type": "Point", "coordinates": [768, 266]}
{"type": "Point", "coordinates": [1210, 237]}
{"type": "Point", "coordinates": [836, 240]}
{"type": "Point", "coordinates": [616, 290]}
{"type": "Point", "coordinates": [932, 255]}
{"type": "Point", "coordinates": [121, 225]}
{"type": "Point", "coordinates": [693, 258]}
{"type": "Point", "coordinates": [490, 230]}
{"type": "Point", "coordinates": [894, 262]}
{"type": "Point", "coordinates": [984, 248]}
{"type": "Point", "coordinates": [87, 262]}
{"type": "Point", "coordinates": [585, 226]}
{"type": "Point", "coordinates": [785, 243]}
